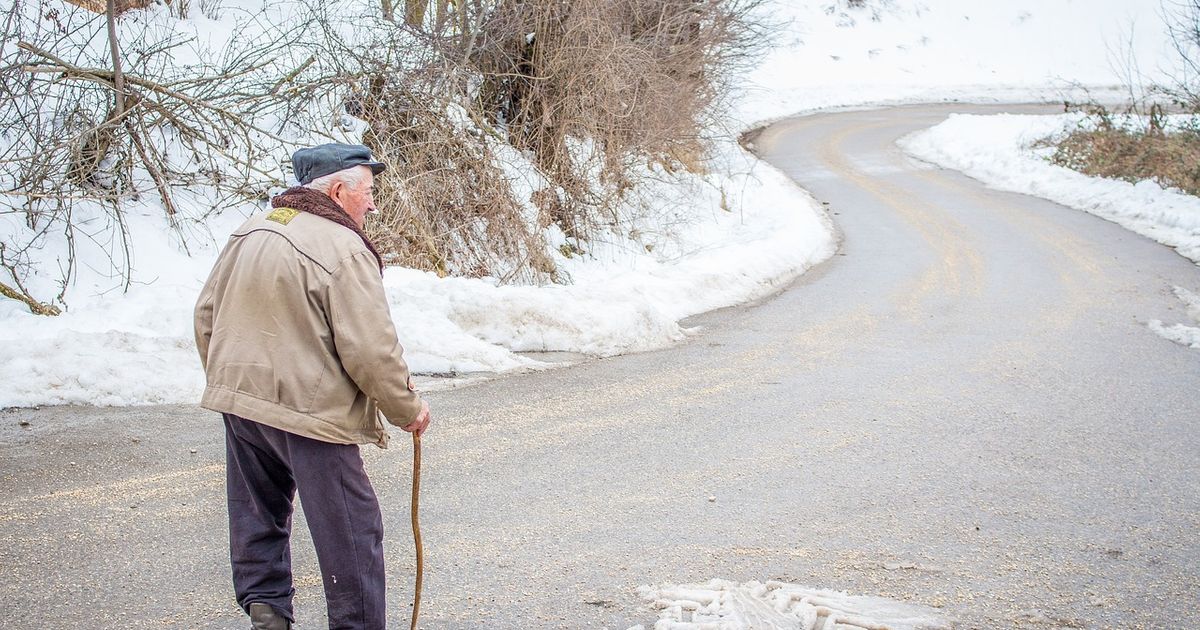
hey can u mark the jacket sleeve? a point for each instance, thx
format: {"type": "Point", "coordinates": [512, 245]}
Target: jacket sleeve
{"type": "Point", "coordinates": [203, 322]}
{"type": "Point", "coordinates": [365, 338]}
{"type": "Point", "coordinates": [205, 305]}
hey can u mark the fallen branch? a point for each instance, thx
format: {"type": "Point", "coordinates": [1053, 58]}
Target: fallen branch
{"type": "Point", "coordinates": [36, 307]}
{"type": "Point", "coordinates": [19, 293]}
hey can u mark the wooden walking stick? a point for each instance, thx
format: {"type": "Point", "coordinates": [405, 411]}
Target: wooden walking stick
{"type": "Point", "coordinates": [416, 527]}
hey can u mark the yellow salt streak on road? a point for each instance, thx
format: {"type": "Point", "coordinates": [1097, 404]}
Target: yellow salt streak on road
{"type": "Point", "coordinates": [123, 492]}
{"type": "Point", "coordinates": [956, 260]}
{"type": "Point", "coordinates": [1083, 279]}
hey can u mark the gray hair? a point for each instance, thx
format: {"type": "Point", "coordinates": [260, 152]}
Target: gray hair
{"type": "Point", "coordinates": [354, 177]}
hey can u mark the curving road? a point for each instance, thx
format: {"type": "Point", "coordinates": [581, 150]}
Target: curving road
{"type": "Point", "coordinates": [963, 408]}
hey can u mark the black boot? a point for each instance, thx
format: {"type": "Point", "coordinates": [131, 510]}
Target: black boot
{"type": "Point", "coordinates": [263, 617]}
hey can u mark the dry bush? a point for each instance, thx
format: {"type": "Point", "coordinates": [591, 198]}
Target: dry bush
{"type": "Point", "coordinates": [591, 90]}
{"type": "Point", "coordinates": [447, 203]}
{"type": "Point", "coordinates": [595, 89]}
{"type": "Point", "coordinates": [1137, 142]}
{"type": "Point", "coordinates": [1120, 148]}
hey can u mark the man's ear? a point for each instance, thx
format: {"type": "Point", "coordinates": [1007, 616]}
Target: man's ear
{"type": "Point", "coordinates": [335, 192]}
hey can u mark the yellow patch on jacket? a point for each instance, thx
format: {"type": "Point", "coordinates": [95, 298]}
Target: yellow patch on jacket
{"type": "Point", "coordinates": [283, 216]}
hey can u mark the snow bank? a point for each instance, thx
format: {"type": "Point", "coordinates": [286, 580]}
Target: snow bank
{"type": "Point", "coordinates": [724, 605]}
{"type": "Point", "coordinates": [999, 151]}
{"type": "Point", "coordinates": [714, 241]}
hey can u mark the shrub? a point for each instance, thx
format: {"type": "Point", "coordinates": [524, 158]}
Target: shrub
{"type": "Point", "coordinates": [590, 90]}
{"type": "Point", "coordinates": [1133, 149]}
{"type": "Point", "coordinates": [1139, 143]}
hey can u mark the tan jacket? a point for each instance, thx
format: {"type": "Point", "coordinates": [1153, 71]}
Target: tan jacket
{"type": "Point", "coordinates": [294, 332]}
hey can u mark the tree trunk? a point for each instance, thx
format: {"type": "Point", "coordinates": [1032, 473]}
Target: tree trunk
{"type": "Point", "coordinates": [118, 79]}
{"type": "Point", "coordinates": [414, 12]}
{"type": "Point", "coordinates": [443, 7]}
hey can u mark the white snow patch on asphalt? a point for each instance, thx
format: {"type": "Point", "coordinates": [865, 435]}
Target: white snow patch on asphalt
{"type": "Point", "coordinates": [1179, 333]}
{"type": "Point", "coordinates": [999, 150]}
{"type": "Point", "coordinates": [725, 605]}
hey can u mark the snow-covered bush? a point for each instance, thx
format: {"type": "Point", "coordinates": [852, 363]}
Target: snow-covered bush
{"type": "Point", "coordinates": [507, 123]}
{"type": "Point", "coordinates": [198, 127]}
{"type": "Point", "coordinates": [1155, 147]}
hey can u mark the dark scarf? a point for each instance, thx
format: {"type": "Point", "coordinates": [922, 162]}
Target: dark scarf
{"type": "Point", "coordinates": [318, 203]}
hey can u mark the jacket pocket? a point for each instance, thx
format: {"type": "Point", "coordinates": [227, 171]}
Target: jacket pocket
{"type": "Point", "coordinates": [255, 379]}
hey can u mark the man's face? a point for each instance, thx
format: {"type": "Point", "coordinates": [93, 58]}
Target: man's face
{"type": "Point", "coordinates": [357, 202]}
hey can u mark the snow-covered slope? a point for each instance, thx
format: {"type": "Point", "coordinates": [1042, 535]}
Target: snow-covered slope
{"type": "Point", "coordinates": [713, 241]}
{"type": "Point", "coordinates": [888, 51]}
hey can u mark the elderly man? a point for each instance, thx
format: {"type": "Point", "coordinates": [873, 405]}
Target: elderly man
{"type": "Point", "coordinates": [301, 357]}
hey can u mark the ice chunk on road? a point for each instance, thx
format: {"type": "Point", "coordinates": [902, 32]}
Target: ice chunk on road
{"type": "Point", "coordinates": [1179, 333]}
{"type": "Point", "coordinates": [725, 605]}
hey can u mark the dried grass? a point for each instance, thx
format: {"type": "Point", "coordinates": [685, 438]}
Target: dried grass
{"type": "Point", "coordinates": [1134, 152]}
{"type": "Point", "coordinates": [1137, 143]}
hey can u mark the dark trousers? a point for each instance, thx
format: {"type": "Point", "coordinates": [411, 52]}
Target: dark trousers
{"type": "Point", "coordinates": [265, 467]}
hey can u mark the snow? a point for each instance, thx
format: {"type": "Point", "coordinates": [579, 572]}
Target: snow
{"type": "Point", "coordinates": [725, 605]}
{"type": "Point", "coordinates": [683, 246]}
{"type": "Point", "coordinates": [1180, 333]}
{"type": "Point", "coordinates": [829, 55]}
{"type": "Point", "coordinates": [1000, 151]}
{"type": "Point", "coordinates": [137, 348]}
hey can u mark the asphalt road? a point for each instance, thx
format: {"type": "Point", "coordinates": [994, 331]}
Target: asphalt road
{"type": "Point", "coordinates": [963, 409]}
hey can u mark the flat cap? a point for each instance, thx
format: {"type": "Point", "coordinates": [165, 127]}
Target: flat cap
{"type": "Point", "coordinates": [313, 162]}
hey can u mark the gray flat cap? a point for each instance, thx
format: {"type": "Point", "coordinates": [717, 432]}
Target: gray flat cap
{"type": "Point", "coordinates": [313, 162]}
